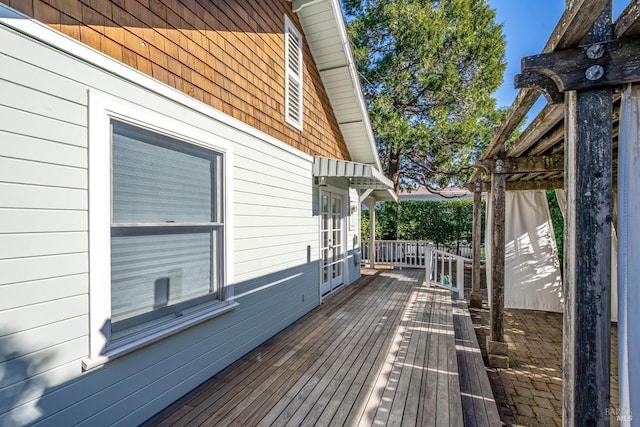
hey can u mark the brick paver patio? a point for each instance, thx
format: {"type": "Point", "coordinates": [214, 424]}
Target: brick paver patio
{"type": "Point", "coordinates": [529, 393]}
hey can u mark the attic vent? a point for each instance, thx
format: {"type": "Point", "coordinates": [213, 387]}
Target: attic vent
{"type": "Point", "coordinates": [293, 74]}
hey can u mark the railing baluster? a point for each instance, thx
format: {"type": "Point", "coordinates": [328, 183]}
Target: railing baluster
{"type": "Point", "coordinates": [418, 253]}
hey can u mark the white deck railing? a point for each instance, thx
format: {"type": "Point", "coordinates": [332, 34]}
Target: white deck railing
{"type": "Point", "coordinates": [442, 269]}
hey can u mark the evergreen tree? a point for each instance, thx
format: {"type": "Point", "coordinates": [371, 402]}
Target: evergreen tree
{"type": "Point", "coordinates": [428, 69]}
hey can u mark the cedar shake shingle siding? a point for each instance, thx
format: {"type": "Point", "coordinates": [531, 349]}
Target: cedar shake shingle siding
{"type": "Point", "coordinates": [227, 54]}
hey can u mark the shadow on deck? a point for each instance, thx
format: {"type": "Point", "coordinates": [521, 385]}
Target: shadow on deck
{"type": "Point", "coordinates": [380, 352]}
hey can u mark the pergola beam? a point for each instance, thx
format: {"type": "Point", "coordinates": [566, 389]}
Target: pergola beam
{"type": "Point", "coordinates": [574, 24]}
{"type": "Point", "coordinates": [571, 29]}
{"type": "Point", "coordinates": [548, 141]}
{"type": "Point", "coordinates": [547, 184]}
{"type": "Point", "coordinates": [511, 165]}
{"type": "Point", "coordinates": [628, 24]}
{"type": "Point", "coordinates": [602, 64]}
{"type": "Point", "coordinates": [545, 120]}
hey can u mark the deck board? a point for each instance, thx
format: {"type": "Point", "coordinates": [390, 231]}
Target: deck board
{"type": "Point", "coordinates": [381, 351]}
{"type": "Point", "coordinates": [479, 407]}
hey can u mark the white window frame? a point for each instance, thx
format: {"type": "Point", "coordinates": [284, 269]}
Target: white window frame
{"type": "Point", "coordinates": [290, 76]}
{"type": "Point", "coordinates": [102, 109]}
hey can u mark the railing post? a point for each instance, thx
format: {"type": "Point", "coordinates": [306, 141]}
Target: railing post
{"type": "Point", "coordinates": [371, 204]}
{"type": "Point", "coordinates": [460, 277]}
{"type": "Point", "coordinates": [427, 264]}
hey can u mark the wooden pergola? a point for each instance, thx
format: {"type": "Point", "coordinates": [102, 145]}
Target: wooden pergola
{"type": "Point", "coordinates": [571, 144]}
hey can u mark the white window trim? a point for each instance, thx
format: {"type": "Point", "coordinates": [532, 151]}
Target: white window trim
{"type": "Point", "coordinates": [290, 29]}
{"type": "Point", "coordinates": [103, 108]}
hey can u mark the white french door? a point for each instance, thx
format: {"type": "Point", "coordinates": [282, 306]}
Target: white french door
{"type": "Point", "coordinates": [331, 241]}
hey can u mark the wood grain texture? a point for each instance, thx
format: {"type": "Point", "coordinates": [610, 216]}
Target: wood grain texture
{"type": "Point", "coordinates": [587, 277]}
{"type": "Point", "coordinates": [567, 67]}
{"type": "Point", "coordinates": [382, 350]}
{"type": "Point", "coordinates": [478, 403]}
{"type": "Point", "coordinates": [548, 117]}
{"type": "Point", "coordinates": [477, 237]}
{"type": "Point", "coordinates": [498, 184]}
{"type": "Point", "coordinates": [587, 272]}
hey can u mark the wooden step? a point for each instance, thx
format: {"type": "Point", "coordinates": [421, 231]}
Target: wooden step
{"type": "Point", "coordinates": [478, 404]}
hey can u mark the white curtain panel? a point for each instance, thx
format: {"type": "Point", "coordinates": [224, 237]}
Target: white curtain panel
{"type": "Point", "coordinates": [532, 270]}
{"type": "Point", "coordinates": [629, 256]}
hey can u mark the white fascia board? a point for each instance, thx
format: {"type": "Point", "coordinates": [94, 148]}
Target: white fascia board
{"type": "Point", "coordinates": [353, 71]}
{"type": "Point", "coordinates": [359, 103]}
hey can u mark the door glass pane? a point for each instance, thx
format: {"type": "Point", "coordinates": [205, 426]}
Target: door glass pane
{"type": "Point", "coordinates": [336, 222]}
{"type": "Point", "coordinates": [337, 253]}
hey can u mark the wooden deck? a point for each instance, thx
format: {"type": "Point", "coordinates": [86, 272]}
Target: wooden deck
{"type": "Point", "coordinates": [380, 352]}
{"type": "Point", "coordinates": [478, 403]}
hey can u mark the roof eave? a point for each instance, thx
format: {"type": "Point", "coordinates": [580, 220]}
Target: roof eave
{"type": "Point", "coordinates": [332, 53]}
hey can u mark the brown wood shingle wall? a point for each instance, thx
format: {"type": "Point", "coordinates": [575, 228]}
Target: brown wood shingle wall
{"type": "Point", "coordinates": [225, 53]}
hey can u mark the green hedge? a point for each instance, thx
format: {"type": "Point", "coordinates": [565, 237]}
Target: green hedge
{"type": "Point", "coordinates": [558, 222]}
{"type": "Point", "coordinates": [439, 222]}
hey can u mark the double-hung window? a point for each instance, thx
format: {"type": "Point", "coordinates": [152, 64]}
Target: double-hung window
{"type": "Point", "coordinates": [157, 229]}
{"type": "Point", "coordinates": [166, 227]}
{"type": "Point", "coordinates": [293, 74]}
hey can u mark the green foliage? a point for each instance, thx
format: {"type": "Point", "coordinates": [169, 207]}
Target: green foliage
{"type": "Point", "coordinates": [428, 71]}
{"type": "Point", "coordinates": [439, 222]}
{"type": "Point", "coordinates": [558, 222]}
{"type": "Point", "coordinates": [364, 224]}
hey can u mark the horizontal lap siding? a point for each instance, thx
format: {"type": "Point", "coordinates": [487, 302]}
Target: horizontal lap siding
{"type": "Point", "coordinates": [226, 54]}
{"type": "Point", "coordinates": [44, 260]}
{"type": "Point", "coordinates": [43, 231]}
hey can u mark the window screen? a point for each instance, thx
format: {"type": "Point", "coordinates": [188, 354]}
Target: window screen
{"type": "Point", "coordinates": [167, 226]}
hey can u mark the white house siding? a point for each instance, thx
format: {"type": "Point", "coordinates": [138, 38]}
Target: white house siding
{"type": "Point", "coordinates": [44, 250]}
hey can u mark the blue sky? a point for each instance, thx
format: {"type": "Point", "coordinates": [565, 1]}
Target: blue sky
{"type": "Point", "coordinates": [527, 25]}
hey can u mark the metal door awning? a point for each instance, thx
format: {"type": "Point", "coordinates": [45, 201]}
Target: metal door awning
{"type": "Point", "coordinates": [361, 176]}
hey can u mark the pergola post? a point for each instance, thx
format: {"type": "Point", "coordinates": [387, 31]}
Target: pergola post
{"type": "Point", "coordinates": [475, 299]}
{"type": "Point", "coordinates": [587, 268]}
{"type": "Point", "coordinates": [496, 347]}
